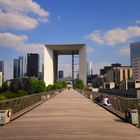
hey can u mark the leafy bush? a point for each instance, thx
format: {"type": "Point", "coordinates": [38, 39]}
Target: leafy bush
{"type": "Point", "coordinates": [21, 93]}
{"type": "Point", "coordinates": [15, 85]}
{"type": "Point", "coordinates": [78, 84]}
{"type": "Point", "coordinates": [63, 83]}
{"type": "Point", "coordinates": [37, 85]}
{"type": "Point", "coordinates": [9, 94]}
{"type": "Point", "coordinates": [4, 88]}
{"type": "Point", "coordinates": [2, 97]}
{"type": "Point", "coordinates": [50, 87]}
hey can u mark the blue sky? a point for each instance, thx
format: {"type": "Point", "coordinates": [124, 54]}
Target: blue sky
{"type": "Point", "coordinates": [105, 26]}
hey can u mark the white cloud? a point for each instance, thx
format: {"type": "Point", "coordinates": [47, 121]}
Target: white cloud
{"type": "Point", "coordinates": [16, 21]}
{"type": "Point", "coordinates": [22, 6]}
{"type": "Point", "coordinates": [125, 51]}
{"type": "Point", "coordinates": [115, 36]}
{"type": "Point", "coordinates": [137, 21]}
{"type": "Point", "coordinates": [96, 37]}
{"type": "Point", "coordinates": [19, 42]}
{"type": "Point", "coordinates": [9, 39]}
{"type": "Point", "coordinates": [21, 14]}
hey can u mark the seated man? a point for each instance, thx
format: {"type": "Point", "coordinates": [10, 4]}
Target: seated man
{"type": "Point", "coordinates": [106, 101]}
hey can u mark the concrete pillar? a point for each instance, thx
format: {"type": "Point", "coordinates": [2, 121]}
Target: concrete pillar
{"type": "Point", "coordinates": [48, 66]}
{"type": "Point", "coordinates": [82, 64]}
{"type": "Point", "coordinates": [138, 94]}
{"type": "Point", "coordinates": [55, 65]}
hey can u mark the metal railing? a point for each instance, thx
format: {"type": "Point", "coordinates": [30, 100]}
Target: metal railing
{"type": "Point", "coordinates": [18, 104]}
{"type": "Point", "coordinates": [121, 104]}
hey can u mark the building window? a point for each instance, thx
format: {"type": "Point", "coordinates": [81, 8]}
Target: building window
{"type": "Point", "coordinates": [128, 72]}
{"type": "Point", "coordinates": [123, 74]}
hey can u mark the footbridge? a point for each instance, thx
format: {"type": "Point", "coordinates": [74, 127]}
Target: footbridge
{"type": "Point", "coordinates": [69, 116]}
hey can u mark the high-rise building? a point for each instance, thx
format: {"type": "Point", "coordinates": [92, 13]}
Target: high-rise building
{"type": "Point", "coordinates": [1, 79]}
{"type": "Point", "coordinates": [60, 74]}
{"type": "Point", "coordinates": [134, 50]}
{"type": "Point", "coordinates": [89, 68]}
{"type": "Point", "coordinates": [136, 68]}
{"type": "Point", "coordinates": [32, 65]}
{"type": "Point", "coordinates": [22, 66]}
{"type": "Point", "coordinates": [2, 71]}
{"type": "Point", "coordinates": [19, 67]}
{"type": "Point", "coordinates": [104, 70]}
{"type": "Point", "coordinates": [2, 66]}
{"type": "Point", "coordinates": [16, 68]}
{"type": "Point", "coordinates": [135, 59]}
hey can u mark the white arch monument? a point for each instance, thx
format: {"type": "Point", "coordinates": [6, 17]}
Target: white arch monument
{"type": "Point", "coordinates": [51, 53]}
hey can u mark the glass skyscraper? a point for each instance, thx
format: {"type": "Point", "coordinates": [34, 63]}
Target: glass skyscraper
{"type": "Point", "coordinates": [1, 72]}
{"type": "Point", "coordinates": [19, 67]}
{"type": "Point", "coordinates": [2, 66]}
{"type": "Point", "coordinates": [32, 65]}
{"type": "Point", "coordinates": [134, 50]}
{"type": "Point", "coordinates": [135, 59]}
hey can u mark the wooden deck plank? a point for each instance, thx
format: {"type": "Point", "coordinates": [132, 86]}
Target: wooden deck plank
{"type": "Point", "coordinates": [69, 116]}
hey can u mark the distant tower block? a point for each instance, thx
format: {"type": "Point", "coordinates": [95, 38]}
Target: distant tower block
{"type": "Point", "coordinates": [51, 53]}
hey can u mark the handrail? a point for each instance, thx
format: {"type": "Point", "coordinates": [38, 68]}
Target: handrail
{"type": "Point", "coordinates": [120, 104]}
{"type": "Point", "coordinates": [17, 104]}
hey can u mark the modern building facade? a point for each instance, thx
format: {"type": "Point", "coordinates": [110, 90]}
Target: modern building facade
{"type": "Point", "coordinates": [16, 68]}
{"type": "Point", "coordinates": [136, 68]}
{"type": "Point", "coordinates": [51, 53]}
{"type": "Point", "coordinates": [2, 72]}
{"type": "Point", "coordinates": [89, 68]}
{"type": "Point", "coordinates": [32, 65]}
{"type": "Point", "coordinates": [60, 74]}
{"type": "Point", "coordinates": [1, 79]}
{"type": "Point", "coordinates": [135, 59]}
{"type": "Point", "coordinates": [104, 70]}
{"type": "Point", "coordinates": [134, 50]}
{"type": "Point", "coordinates": [119, 74]}
{"type": "Point", "coordinates": [19, 67]}
{"type": "Point", "coordinates": [2, 66]}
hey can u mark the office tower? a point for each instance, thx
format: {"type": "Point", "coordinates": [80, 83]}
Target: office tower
{"type": "Point", "coordinates": [136, 68]}
{"type": "Point", "coordinates": [89, 68]}
{"type": "Point", "coordinates": [134, 50]}
{"type": "Point", "coordinates": [2, 71]}
{"type": "Point", "coordinates": [135, 59]}
{"type": "Point", "coordinates": [2, 66]}
{"type": "Point", "coordinates": [61, 74]}
{"type": "Point", "coordinates": [32, 65]}
{"type": "Point", "coordinates": [16, 68]}
{"type": "Point", "coordinates": [22, 66]}
{"type": "Point", "coordinates": [1, 79]}
{"type": "Point", "coordinates": [19, 67]}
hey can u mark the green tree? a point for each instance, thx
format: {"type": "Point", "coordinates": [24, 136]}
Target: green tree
{"type": "Point", "coordinates": [78, 84]}
{"type": "Point", "coordinates": [2, 97]}
{"type": "Point", "coordinates": [15, 85]}
{"type": "Point", "coordinates": [21, 93]}
{"type": "Point", "coordinates": [50, 87]}
{"type": "Point", "coordinates": [9, 94]}
{"type": "Point", "coordinates": [37, 85]}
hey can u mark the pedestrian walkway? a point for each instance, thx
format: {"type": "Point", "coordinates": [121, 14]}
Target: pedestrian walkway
{"type": "Point", "coordinates": [69, 116]}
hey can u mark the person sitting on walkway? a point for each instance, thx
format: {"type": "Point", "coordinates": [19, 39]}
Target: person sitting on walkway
{"type": "Point", "coordinates": [106, 101]}
{"type": "Point", "coordinates": [99, 99]}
